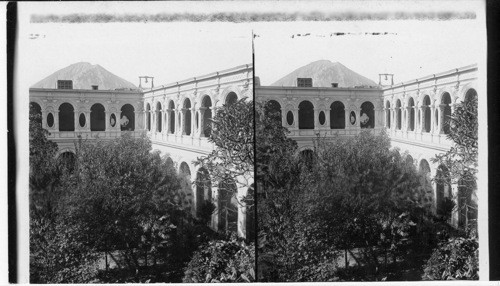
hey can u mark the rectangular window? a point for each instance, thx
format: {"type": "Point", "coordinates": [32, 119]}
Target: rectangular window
{"type": "Point", "coordinates": [64, 84]}
{"type": "Point", "coordinates": [304, 82]}
{"type": "Point", "coordinates": [95, 87]}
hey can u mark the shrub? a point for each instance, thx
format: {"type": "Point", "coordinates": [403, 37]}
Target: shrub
{"type": "Point", "coordinates": [455, 259]}
{"type": "Point", "coordinates": [229, 260]}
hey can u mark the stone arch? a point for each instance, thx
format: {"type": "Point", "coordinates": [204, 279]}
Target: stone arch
{"type": "Point", "coordinates": [227, 206]}
{"type": "Point", "coordinates": [409, 160]}
{"type": "Point", "coordinates": [66, 117]}
{"type": "Point", "coordinates": [66, 160]}
{"type": "Point", "coordinates": [273, 109]}
{"type": "Point", "coordinates": [367, 115]}
{"type": "Point", "coordinates": [203, 190]}
{"type": "Point", "coordinates": [230, 98]}
{"type": "Point", "coordinates": [306, 115]}
{"type": "Point", "coordinates": [36, 110]}
{"type": "Point", "coordinates": [446, 101]}
{"type": "Point", "coordinates": [469, 94]}
{"type": "Point", "coordinates": [411, 114]}
{"type": "Point", "coordinates": [206, 124]}
{"type": "Point", "coordinates": [148, 117]}
{"type": "Point", "coordinates": [186, 106]}
{"type": "Point", "coordinates": [388, 114]}
{"type": "Point", "coordinates": [158, 116]}
{"type": "Point", "coordinates": [184, 169]}
{"type": "Point", "coordinates": [426, 108]}
{"type": "Point", "coordinates": [127, 117]}
{"type": "Point", "coordinates": [171, 119]}
{"type": "Point", "coordinates": [97, 117]}
{"type": "Point", "coordinates": [337, 115]}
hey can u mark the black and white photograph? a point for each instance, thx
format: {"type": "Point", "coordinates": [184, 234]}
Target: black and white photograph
{"type": "Point", "coordinates": [247, 142]}
{"type": "Point", "coordinates": [140, 143]}
{"type": "Point", "coordinates": [368, 155]}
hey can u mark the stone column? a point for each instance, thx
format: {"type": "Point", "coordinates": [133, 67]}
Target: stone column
{"type": "Point", "coordinates": [316, 119]}
{"type": "Point", "coordinates": [296, 118]}
{"type": "Point", "coordinates": [56, 120]}
{"type": "Point", "coordinates": [327, 119]}
{"type": "Point", "coordinates": [421, 128]}
{"type": "Point", "coordinates": [44, 119]}
{"type": "Point", "coordinates": [193, 121]}
{"type": "Point", "coordinates": [183, 121]}
{"type": "Point", "coordinates": [441, 108]}
{"type": "Point", "coordinates": [408, 119]}
{"type": "Point", "coordinates": [107, 125]}
{"type": "Point", "coordinates": [202, 122]}
{"type": "Point", "coordinates": [433, 118]}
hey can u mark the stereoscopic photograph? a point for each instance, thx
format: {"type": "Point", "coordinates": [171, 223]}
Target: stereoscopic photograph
{"type": "Point", "coordinates": [251, 141]}
{"type": "Point", "coordinates": [367, 144]}
{"type": "Point", "coordinates": [140, 143]}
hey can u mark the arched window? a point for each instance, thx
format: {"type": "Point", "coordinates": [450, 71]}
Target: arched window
{"type": "Point", "coordinates": [207, 116]}
{"type": "Point", "coordinates": [367, 115]}
{"type": "Point", "coordinates": [97, 118]}
{"type": "Point", "coordinates": [187, 117]}
{"type": "Point", "coordinates": [227, 206]}
{"type": "Point", "coordinates": [67, 161]}
{"type": "Point", "coordinates": [203, 191]}
{"type": "Point", "coordinates": [411, 120]}
{"type": "Point", "coordinates": [36, 113]}
{"type": "Point", "coordinates": [427, 113]}
{"type": "Point", "coordinates": [471, 94]}
{"type": "Point", "coordinates": [67, 117]}
{"type": "Point", "coordinates": [127, 118]}
{"type": "Point", "coordinates": [398, 114]}
{"type": "Point", "coordinates": [158, 117]}
{"type": "Point", "coordinates": [388, 114]}
{"type": "Point", "coordinates": [273, 110]}
{"type": "Point", "coordinates": [409, 160]}
{"type": "Point", "coordinates": [337, 115]}
{"type": "Point", "coordinates": [446, 100]}
{"type": "Point", "coordinates": [231, 98]}
{"type": "Point", "coordinates": [171, 110]}
{"type": "Point", "coordinates": [148, 117]}
{"type": "Point", "coordinates": [307, 158]}
{"type": "Point", "coordinates": [306, 115]}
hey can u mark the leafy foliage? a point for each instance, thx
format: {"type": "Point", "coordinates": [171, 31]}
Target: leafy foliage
{"type": "Point", "coordinates": [226, 260]}
{"type": "Point", "coordinates": [353, 195]}
{"type": "Point", "coordinates": [462, 159]}
{"type": "Point", "coordinates": [455, 259]}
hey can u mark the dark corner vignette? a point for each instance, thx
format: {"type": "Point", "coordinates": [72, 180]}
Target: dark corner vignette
{"type": "Point", "coordinates": [255, 193]}
{"type": "Point", "coordinates": [492, 21]}
{"type": "Point", "coordinates": [11, 196]}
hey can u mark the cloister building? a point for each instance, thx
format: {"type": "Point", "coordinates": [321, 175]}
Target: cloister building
{"type": "Point", "coordinates": [413, 113]}
{"type": "Point", "coordinates": [176, 117]}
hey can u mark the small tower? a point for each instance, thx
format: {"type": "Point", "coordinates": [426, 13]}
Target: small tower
{"type": "Point", "coordinates": [385, 79]}
{"type": "Point", "coordinates": [146, 82]}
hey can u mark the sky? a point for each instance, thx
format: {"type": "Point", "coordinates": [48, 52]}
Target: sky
{"type": "Point", "coordinates": [411, 49]}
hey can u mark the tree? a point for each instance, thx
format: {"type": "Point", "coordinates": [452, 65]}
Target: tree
{"type": "Point", "coordinates": [355, 193]}
{"type": "Point", "coordinates": [56, 255]}
{"type": "Point", "coordinates": [231, 163]}
{"type": "Point", "coordinates": [45, 171]}
{"type": "Point", "coordinates": [126, 197]}
{"type": "Point", "coordinates": [461, 160]}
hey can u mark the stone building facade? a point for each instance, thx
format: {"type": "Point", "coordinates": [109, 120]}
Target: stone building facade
{"type": "Point", "coordinates": [175, 117]}
{"type": "Point", "coordinates": [413, 113]}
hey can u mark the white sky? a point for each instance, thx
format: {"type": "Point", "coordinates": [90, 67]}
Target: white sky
{"type": "Point", "coordinates": [418, 48]}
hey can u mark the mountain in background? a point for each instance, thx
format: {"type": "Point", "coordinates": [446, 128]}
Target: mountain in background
{"type": "Point", "coordinates": [84, 75]}
{"type": "Point", "coordinates": [324, 73]}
